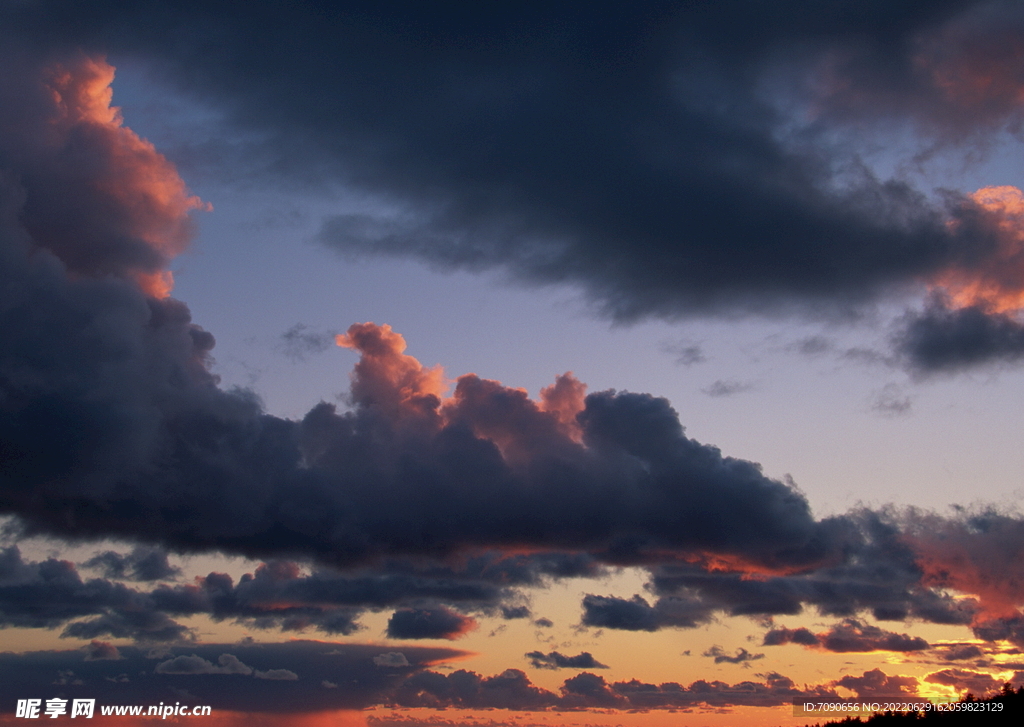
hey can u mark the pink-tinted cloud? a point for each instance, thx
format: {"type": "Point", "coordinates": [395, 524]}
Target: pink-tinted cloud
{"type": "Point", "coordinates": [993, 281]}
{"type": "Point", "coordinates": [565, 398]}
{"type": "Point", "coordinates": [389, 380]}
{"type": "Point", "coordinates": [977, 555]}
{"type": "Point", "coordinates": [95, 194]}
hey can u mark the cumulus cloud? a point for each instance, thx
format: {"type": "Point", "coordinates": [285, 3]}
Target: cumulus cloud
{"type": "Point", "coordinates": [608, 445]}
{"type": "Point", "coordinates": [99, 197]}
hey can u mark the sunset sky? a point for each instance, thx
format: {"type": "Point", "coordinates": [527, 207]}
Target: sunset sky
{"type": "Point", "coordinates": [426, 365]}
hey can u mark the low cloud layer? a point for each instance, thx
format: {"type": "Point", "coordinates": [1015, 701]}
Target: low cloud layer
{"type": "Point", "coordinates": [311, 676]}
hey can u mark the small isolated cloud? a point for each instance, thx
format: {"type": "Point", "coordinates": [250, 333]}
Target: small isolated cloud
{"type": "Point", "coordinates": [544, 623]}
{"type": "Point", "coordinates": [686, 354]}
{"type": "Point", "coordinates": [812, 345]}
{"type": "Point", "coordinates": [328, 685]}
{"type": "Point", "coordinates": [300, 341]}
{"type": "Point", "coordinates": [729, 387]}
{"type": "Point", "coordinates": [555, 660]}
{"type": "Point", "coordinates": [226, 664]}
{"type": "Point", "coordinates": [281, 675]}
{"type": "Point", "coordinates": [428, 623]}
{"type": "Point", "coordinates": [392, 658]}
{"type": "Point", "coordinates": [101, 651]}
{"type": "Point", "coordinates": [142, 564]}
{"type": "Point", "coordinates": [780, 636]}
{"type": "Point", "coordinates": [742, 656]}
{"type": "Point", "coordinates": [891, 402]}
{"type": "Point", "coordinates": [513, 612]}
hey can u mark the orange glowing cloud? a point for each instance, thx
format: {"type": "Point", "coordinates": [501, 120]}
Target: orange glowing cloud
{"type": "Point", "coordinates": [101, 197]}
{"type": "Point", "coordinates": [565, 399]}
{"type": "Point", "coordinates": [399, 386]}
{"type": "Point", "coordinates": [980, 559]}
{"type": "Point", "coordinates": [387, 378]}
{"type": "Point", "coordinates": [995, 284]}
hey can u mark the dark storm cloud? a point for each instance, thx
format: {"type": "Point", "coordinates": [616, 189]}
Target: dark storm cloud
{"type": "Point", "coordinates": [108, 402]}
{"type": "Point", "coordinates": [944, 340]}
{"type": "Point", "coordinates": [645, 152]}
{"type": "Point", "coordinates": [556, 660]}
